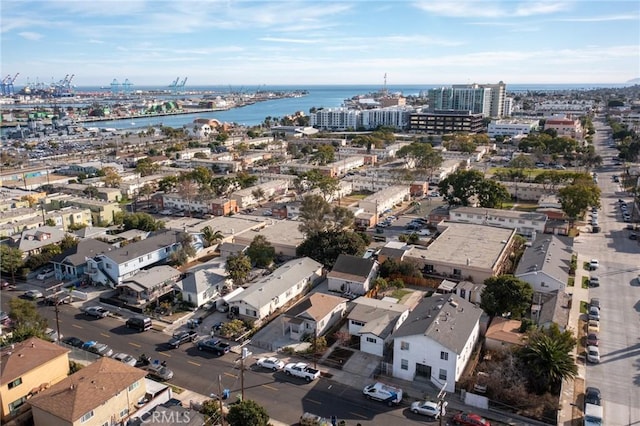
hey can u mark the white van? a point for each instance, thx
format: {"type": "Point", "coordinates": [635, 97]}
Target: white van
{"type": "Point", "coordinates": [382, 392]}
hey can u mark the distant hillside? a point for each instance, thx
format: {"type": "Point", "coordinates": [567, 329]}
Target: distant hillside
{"type": "Point", "coordinates": [634, 81]}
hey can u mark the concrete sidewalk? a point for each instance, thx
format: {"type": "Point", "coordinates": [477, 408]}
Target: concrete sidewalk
{"type": "Point", "coordinates": [571, 396]}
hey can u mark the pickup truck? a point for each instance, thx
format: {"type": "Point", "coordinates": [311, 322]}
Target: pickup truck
{"type": "Point", "coordinates": [214, 345]}
{"type": "Point", "coordinates": [182, 337]}
{"type": "Point", "coordinates": [301, 370]}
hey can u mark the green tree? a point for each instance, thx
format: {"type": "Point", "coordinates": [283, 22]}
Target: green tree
{"type": "Point", "coordinates": [50, 222]}
{"type": "Point", "coordinates": [238, 267]}
{"type": "Point", "coordinates": [506, 293]}
{"type": "Point", "coordinates": [261, 252]}
{"type": "Point", "coordinates": [68, 241]}
{"type": "Point", "coordinates": [91, 192]}
{"type": "Point", "coordinates": [426, 160]}
{"type": "Point", "coordinates": [232, 328]}
{"type": "Point", "coordinates": [324, 154]}
{"type": "Point", "coordinates": [141, 221]}
{"type": "Point", "coordinates": [210, 236]}
{"type": "Point", "coordinates": [325, 247]}
{"type": "Point", "coordinates": [168, 184]}
{"type": "Point", "coordinates": [492, 194]}
{"type": "Point", "coordinates": [147, 191]}
{"type": "Point", "coordinates": [460, 186]}
{"type": "Point", "coordinates": [258, 194]}
{"type": "Point", "coordinates": [111, 177]}
{"type": "Point", "coordinates": [211, 411]}
{"type": "Point", "coordinates": [10, 261]}
{"type": "Point", "coordinates": [27, 321]}
{"type": "Point", "coordinates": [247, 413]}
{"type": "Point", "coordinates": [548, 360]}
{"type": "Point", "coordinates": [576, 198]}
{"type": "Point", "coordinates": [146, 167]}
{"type": "Point", "coordinates": [313, 211]}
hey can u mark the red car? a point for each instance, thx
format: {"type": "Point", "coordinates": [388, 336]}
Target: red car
{"type": "Point", "coordinates": [592, 339]}
{"type": "Point", "coordinates": [470, 419]}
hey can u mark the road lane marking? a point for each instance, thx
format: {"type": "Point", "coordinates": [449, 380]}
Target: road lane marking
{"type": "Point", "coordinates": [134, 344]}
{"type": "Point", "coordinates": [359, 415]}
{"type": "Point", "coordinates": [76, 326]}
{"type": "Point", "coordinates": [231, 375]}
{"type": "Point", "coordinates": [194, 363]}
{"type": "Point", "coordinates": [270, 387]}
{"type": "Point", "coordinates": [104, 334]}
{"type": "Point", "coordinates": [314, 401]}
{"type": "Point", "coordinates": [165, 354]}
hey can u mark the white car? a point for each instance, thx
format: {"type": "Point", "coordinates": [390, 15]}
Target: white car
{"type": "Point", "coordinates": [32, 294]}
{"type": "Point", "coordinates": [593, 354]}
{"type": "Point", "coordinates": [271, 363]}
{"type": "Point", "coordinates": [125, 358]}
{"type": "Point", "coordinates": [428, 408]}
{"type": "Point", "coordinates": [594, 264]}
{"type": "Point", "coordinates": [424, 232]}
{"type": "Point", "coordinates": [96, 311]}
{"type": "Point", "coordinates": [46, 273]}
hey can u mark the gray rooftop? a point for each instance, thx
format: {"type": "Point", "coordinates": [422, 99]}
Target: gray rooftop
{"type": "Point", "coordinates": [437, 318]}
{"type": "Point", "coordinates": [43, 236]}
{"type": "Point", "coordinates": [136, 249]}
{"type": "Point", "coordinates": [512, 214]}
{"type": "Point", "coordinates": [379, 316]}
{"type": "Point", "coordinates": [548, 253]}
{"type": "Point", "coordinates": [348, 266]}
{"type": "Point", "coordinates": [202, 279]}
{"type": "Point", "coordinates": [150, 278]}
{"type": "Point", "coordinates": [78, 255]}
{"type": "Point", "coordinates": [276, 283]}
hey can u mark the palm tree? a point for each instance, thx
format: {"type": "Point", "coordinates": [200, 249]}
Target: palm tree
{"type": "Point", "coordinates": [210, 236]}
{"type": "Point", "coordinates": [258, 194]}
{"type": "Point", "coordinates": [548, 360]}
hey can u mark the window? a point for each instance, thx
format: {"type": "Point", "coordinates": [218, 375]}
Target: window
{"type": "Point", "coordinates": [148, 257]}
{"type": "Point", "coordinates": [141, 259]}
{"type": "Point", "coordinates": [404, 364]}
{"type": "Point", "coordinates": [17, 382]}
{"type": "Point", "coordinates": [443, 374]}
{"type": "Point", "coordinates": [86, 416]}
{"type": "Point", "coordinates": [404, 346]}
{"type": "Point", "coordinates": [444, 355]}
{"type": "Point", "coordinates": [457, 272]}
{"type": "Point", "coordinates": [17, 403]}
{"type": "Point", "coordinates": [359, 323]}
{"type": "Point", "coordinates": [371, 340]}
{"type": "Point", "coordinates": [133, 386]}
{"type": "Point", "coordinates": [124, 412]}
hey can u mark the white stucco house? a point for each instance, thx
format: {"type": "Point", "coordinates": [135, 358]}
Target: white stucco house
{"type": "Point", "coordinates": [313, 315]}
{"type": "Point", "coordinates": [204, 282]}
{"type": "Point", "coordinates": [545, 264]}
{"type": "Point", "coordinates": [374, 321]}
{"type": "Point", "coordinates": [352, 274]}
{"type": "Point", "coordinates": [272, 292]}
{"type": "Point", "coordinates": [436, 340]}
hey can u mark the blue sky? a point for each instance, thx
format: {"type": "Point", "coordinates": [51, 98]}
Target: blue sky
{"type": "Point", "coordinates": [320, 42]}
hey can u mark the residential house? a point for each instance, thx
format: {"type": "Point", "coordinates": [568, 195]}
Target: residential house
{"type": "Point", "coordinates": [102, 393]}
{"type": "Point", "coordinates": [565, 126]}
{"type": "Point", "coordinates": [504, 334]}
{"type": "Point", "coordinates": [72, 263]}
{"type": "Point", "coordinates": [148, 285]}
{"type": "Point", "coordinates": [272, 292]}
{"type": "Point", "coordinates": [526, 223]}
{"type": "Point", "coordinates": [32, 241]}
{"type": "Point", "coordinates": [313, 316]}
{"type": "Point", "coordinates": [114, 267]}
{"type": "Point", "coordinates": [546, 263]}
{"type": "Point", "coordinates": [436, 341]}
{"type": "Point", "coordinates": [352, 274]}
{"type": "Point", "coordinates": [102, 212]}
{"type": "Point", "coordinates": [224, 207]}
{"type": "Point", "coordinates": [374, 322]}
{"type": "Point", "coordinates": [470, 291]}
{"type": "Point", "coordinates": [551, 308]}
{"type": "Point", "coordinates": [228, 249]}
{"type": "Point", "coordinates": [465, 251]}
{"type": "Point", "coordinates": [284, 235]}
{"type": "Point", "coordinates": [204, 283]}
{"type": "Point", "coordinates": [27, 368]}
{"type": "Point", "coordinates": [247, 197]}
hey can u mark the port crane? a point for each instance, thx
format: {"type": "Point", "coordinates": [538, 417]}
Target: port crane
{"type": "Point", "coordinates": [7, 84]}
{"type": "Point", "coordinates": [175, 82]}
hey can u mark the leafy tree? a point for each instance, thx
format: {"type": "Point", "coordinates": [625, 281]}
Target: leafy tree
{"type": "Point", "coordinates": [27, 321]}
{"type": "Point", "coordinates": [50, 222]}
{"type": "Point", "coordinates": [381, 284]}
{"type": "Point", "coordinates": [426, 159]}
{"type": "Point", "coordinates": [492, 194]}
{"type": "Point", "coordinates": [460, 186]}
{"type": "Point", "coordinates": [506, 293]}
{"type": "Point", "coordinates": [232, 328]}
{"type": "Point", "coordinates": [91, 192]}
{"type": "Point", "coordinates": [261, 251]}
{"type": "Point", "coordinates": [186, 244]}
{"type": "Point", "coordinates": [211, 411]}
{"type": "Point", "coordinates": [247, 413]}
{"type": "Point", "coordinates": [392, 267]}
{"type": "Point", "coordinates": [210, 236]}
{"type": "Point", "coordinates": [111, 177]}
{"type": "Point", "coordinates": [68, 241]}
{"type": "Point", "coordinates": [522, 162]}
{"type": "Point", "coordinates": [168, 184]}
{"type": "Point", "coordinates": [238, 267]}
{"type": "Point", "coordinates": [146, 167]}
{"type": "Point", "coordinates": [141, 221]}
{"type": "Point", "coordinates": [258, 194]}
{"type": "Point", "coordinates": [548, 359]}
{"type": "Point", "coordinates": [325, 247]}
{"type": "Point", "coordinates": [324, 154]}
{"type": "Point", "coordinates": [577, 197]}
{"type": "Point", "coordinates": [10, 260]}
{"type": "Point", "coordinates": [313, 211]}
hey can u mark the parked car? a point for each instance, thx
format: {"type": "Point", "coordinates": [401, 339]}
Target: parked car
{"type": "Point", "coordinates": [385, 393]}
{"type": "Point", "coordinates": [139, 323]}
{"type": "Point", "coordinates": [46, 273]}
{"type": "Point", "coordinates": [32, 294]}
{"type": "Point", "coordinates": [593, 326]}
{"type": "Point", "coordinates": [213, 345]}
{"type": "Point", "coordinates": [593, 339]}
{"type": "Point", "coordinates": [592, 395]}
{"type": "Point", "coordinates": [633, 236]}
{"type": "Point", "coordinates": [594, 313]}
{"type": "Point", "coordinates": [52, 334]}
{"type": "Point", "coordinates": [429, 408]}
{"type": "Point", "coordinates": [424, 232]}
{"type": "Point", "coordinates": [101, 349]}
{"type": "Point", "coordinates": [470, 419]}
{"type": "Point", "coordinates": [182, 337]}
{"type": "Point", "coordinates": [594, 302]}
{"type": "Point", "coordinates": [73, 341]}
{"type": "Point", "coordinates": [594, 264]}
{"type": "Point", "coordinates": [594, 282]}
{"type": "Point", "coordinates": [3, 316]}
{"type": "Point", "coordinates": [593, 354]}
{"type": "Point", "coordinates": [125, 359]}
{"type": "Point", "coordinates": [158, 370]}
{"type": "Point", "coordinates": [96, 311]}
{"type": "Point", "coordinates": [271, 363]}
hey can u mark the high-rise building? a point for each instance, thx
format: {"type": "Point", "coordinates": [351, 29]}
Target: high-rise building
{"type": "Point", "coordinates": [485, 99]}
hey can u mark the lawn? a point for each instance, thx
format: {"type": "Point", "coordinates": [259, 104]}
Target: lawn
{"type": "Point", "coordinates": [399, 293]}
{"type": "Point", "coordinates": [583, 307]}
{"type": "Point", "coordinates": [519, 206]}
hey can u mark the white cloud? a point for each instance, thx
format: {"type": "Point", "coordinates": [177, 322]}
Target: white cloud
{"type": "Point", "coordinates": [602, 18]}
{"type": "Point", "coordinates": [289, 40]}
{"type": "Point", "coordinates": [29, 35]}
{"type": "Point", "coordinates": [489, 9]}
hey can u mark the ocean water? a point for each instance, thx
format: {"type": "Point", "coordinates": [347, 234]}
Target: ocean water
{"type": "Point", "coordinates": [317, 96]}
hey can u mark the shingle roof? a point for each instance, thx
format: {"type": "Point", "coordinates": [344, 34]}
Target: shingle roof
{"type": "Point", "coordinates": [151, 277]}
{"type": "Point", "coordinates": [86, 248]}
{"type": "Point", "coordinates": [198, 281]}
{"type": "Point", "coordinates": [87, 389]}
{"type": "Point", "coordinates": [33, 238]}
{"type": "Point", "coordinates": [447, 323]}
{"type": "Point", "coordinates": [315, 306]}
{"type": "Point", "coordinates": [506, 330]}
{"type": "Point", "coordinates": [25, 356]}
{"type": "Point", "coordinates": [152, 243]}
{"type": "Point", "coordinates": [286, 276]}
{"type": "Point", "coordinates": [351, 267]}
{"type": "Point", "coordinates": [548, 253]}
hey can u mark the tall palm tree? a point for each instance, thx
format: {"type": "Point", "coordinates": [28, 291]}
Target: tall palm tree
{"type": "Point", "coordinates": [548, 360]}
{"type": "Point", "coordinates": [210, 236]}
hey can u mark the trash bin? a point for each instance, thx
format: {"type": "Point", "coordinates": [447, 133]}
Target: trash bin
{"type": "Point", "coordinates": [226, 393]}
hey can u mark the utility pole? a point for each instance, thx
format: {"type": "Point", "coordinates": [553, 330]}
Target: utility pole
{"type": "Point", "coordinates": [222, 420]}
{"type": "Point", "coordinates": [245, 354]}
{"type": "Point", "coordinates": [441, 395]}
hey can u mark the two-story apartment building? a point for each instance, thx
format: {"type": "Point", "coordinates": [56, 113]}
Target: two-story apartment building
{"type": "Point", "coordinates": [26, 369]}
{"type": "Point", "coordinates": [385, 199]}
{"type": "Point", "coordinates": [525, 223]}
{"type": "Point", "coordinates": [247, 197]}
